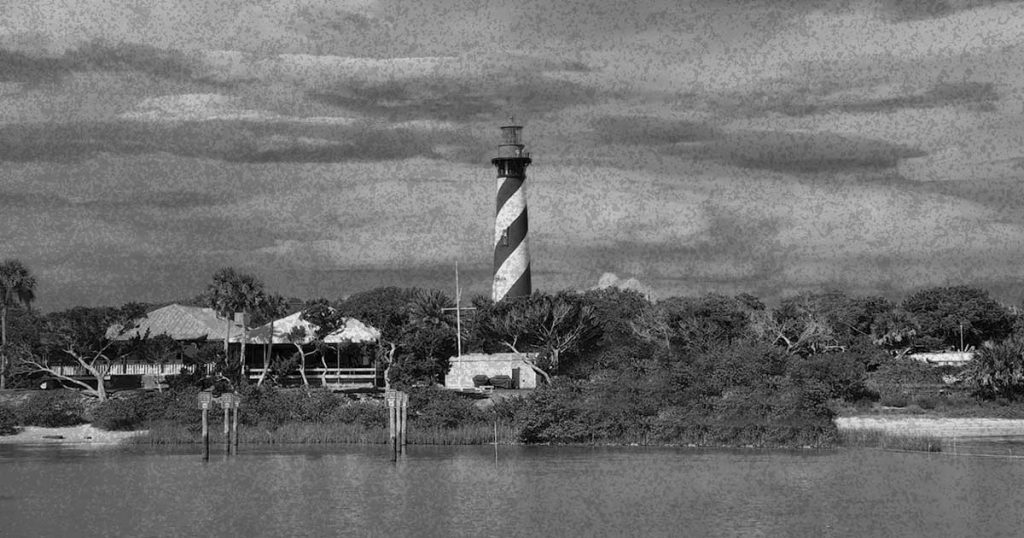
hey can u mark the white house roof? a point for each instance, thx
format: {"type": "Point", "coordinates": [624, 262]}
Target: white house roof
{"type": "Point", "coordinates": [182, 323]}
{"type": "Point", "coordinates": [353, 331]}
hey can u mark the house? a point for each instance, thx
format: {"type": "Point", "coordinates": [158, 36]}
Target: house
{"type": "Point", "coordinates": [337, 363]}
{"type": "Point", "coordinates": [464, 368]}
{"type": "Point", "coordinates": [186, 324]}
{"type": "Point", "coordinates": [183, 323]}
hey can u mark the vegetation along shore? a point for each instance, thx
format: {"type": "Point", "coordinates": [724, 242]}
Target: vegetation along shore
{"type": "Point", "coordinates": [614, 368]}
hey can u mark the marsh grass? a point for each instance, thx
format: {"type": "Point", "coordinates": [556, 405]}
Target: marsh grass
{"type": "Point", "coordinates": [871, 438]}
{"type": "Point", "coordinates": [313, 433]}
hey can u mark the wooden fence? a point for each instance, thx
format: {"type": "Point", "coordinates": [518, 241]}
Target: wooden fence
{"type": "Point", "coordinates": [342, 376]}
{"type": "Point", "coordinates": [167, 368]}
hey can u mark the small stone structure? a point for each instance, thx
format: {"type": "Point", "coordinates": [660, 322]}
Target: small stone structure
{"type": "Point", "coordinates": [460, 375]}
{"type": "Point", "coordinates": [944, 358]}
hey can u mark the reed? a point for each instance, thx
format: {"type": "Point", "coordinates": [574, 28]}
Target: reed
{"type": "Point", "coordinates": [313, 433]}
{"type": "Point", "coordinates": [871, 438]}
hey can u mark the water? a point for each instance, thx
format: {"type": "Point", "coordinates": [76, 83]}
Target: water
{"type": "Point", "coordinates": [527, 491]}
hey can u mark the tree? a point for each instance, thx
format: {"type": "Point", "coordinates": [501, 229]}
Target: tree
{"type": "Point", "coordinates": [998, 369]}
{"type": "Point", "coordinates": [895, 331]}
{"type": "Point", "coordinates": [849, 318]}
{"type": "Point", "coordinates": [268, 309]}
{"type": "Point", "coordinates": [386, 309]}
{"type": "Point", "coordinates": [417, 336]}
{"type": "Point", "coordinates": [94, 339]}
{"type": "Point", "coordinates": [17, 287]}
{"type": "Point", "coordinates": [298, 337]}
{"type": "Point", "coordinates": [958, 317]}
{"type": "Point", "coordinates": [232, 292]}
{"type": "Point", "coordinates": [616, 310]}
{"type": "Point", "coordinates": [555, 327]}
{"type": "Point", "coordinates": [800, 333]}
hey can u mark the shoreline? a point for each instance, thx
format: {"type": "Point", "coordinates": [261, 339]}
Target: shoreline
{"type": "Point", "coordinates": [80, 435]}
{"type": "Point", "coordinates": [949, 428]}
{"type": "Point", "coordinates": [88, 435]}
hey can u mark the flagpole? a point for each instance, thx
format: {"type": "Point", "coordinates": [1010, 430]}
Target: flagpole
{"type": "Point", "coordinates": [458, 310]}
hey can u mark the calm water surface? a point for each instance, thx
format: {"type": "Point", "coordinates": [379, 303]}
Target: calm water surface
{"type": "Point", "coordinates": [527, 491]}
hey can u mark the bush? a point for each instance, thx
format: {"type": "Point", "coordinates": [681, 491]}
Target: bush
{"type": "Point", "coordinates": [894, 398]}
{"type": "Point", "coordinates": [843, 374]}
{"type": "Point", "coordinates": [431, 407]}
{"type": "Point", "coordinates": [926, 402]}
{"type": "Point", "coordinates": [8, 422]}
{"type": "Point", "coordinates": [52, 409]}
{"type": "Point", "coordinates": [365, 414]}
{"type": "Point", "coordinates": [123, 414]}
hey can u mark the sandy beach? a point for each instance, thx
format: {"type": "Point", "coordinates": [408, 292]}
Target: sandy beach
{"type": "Point", "coordinates": [83, 434]}
{"type": "Point", "coordinates": [940, 427]}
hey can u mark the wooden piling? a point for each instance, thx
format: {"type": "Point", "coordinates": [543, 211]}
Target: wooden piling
{"type": "Point", "coordinates": [206, 435]}
{"type": "Point", "coordinates": [234, 426]}
{"type": "Point", "coordinates": [392, 425]}
{"type": "Point", "coordinates": [405, 419]}
{"type": "Point", "coordinates": [227, 428]}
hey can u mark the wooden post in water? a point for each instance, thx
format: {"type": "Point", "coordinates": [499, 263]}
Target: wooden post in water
{"type": "Point", "coordinates": [391, 398]}
{"type": "Point", "coordinates": [236, 402]}
{"type": "Point", "coordinates": [205, 399]}
{"type": "Point", "coordinates": [404, 414]}
{"type": "Point", "coordinates": [226, 404]}
{"type": "Point", "coordinates": [206, 435]}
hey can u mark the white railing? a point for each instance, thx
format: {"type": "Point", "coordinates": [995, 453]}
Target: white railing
{"type": "Point", "coordinates": [168, 368]}
{"type": "Point", "coordinates": [337, 375]}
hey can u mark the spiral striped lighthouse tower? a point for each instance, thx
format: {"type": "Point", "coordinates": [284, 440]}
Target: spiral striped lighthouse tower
{"type": "Point", "coordinates": [511, 252]}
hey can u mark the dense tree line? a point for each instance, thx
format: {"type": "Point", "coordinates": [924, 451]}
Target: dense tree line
{"type": "Point", "coordinates": [615, 364]}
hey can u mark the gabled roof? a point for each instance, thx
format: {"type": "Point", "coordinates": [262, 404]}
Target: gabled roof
{"type": "Point", "coordinates": [352, 331]}
{"type": "Point", "coordinates": [281, 328]}
{"type": "Point", "coordinates": [182, 323]}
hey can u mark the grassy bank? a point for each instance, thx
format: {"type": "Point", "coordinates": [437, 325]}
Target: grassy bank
{"type": "Point", "coordinates": [889, 441]}
{"type": "Point", "coordinates": [327, 433]}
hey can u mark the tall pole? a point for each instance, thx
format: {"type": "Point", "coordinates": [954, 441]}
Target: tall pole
{"type": "Point", "coordinates": [458, 311]}
{"type": "Point", "coordinates": [511, 249]}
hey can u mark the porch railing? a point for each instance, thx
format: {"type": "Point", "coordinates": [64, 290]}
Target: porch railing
{"type": "Point", "coordinates": [330, 375]}
{"type": "Point", "coordinates": [167, 368]}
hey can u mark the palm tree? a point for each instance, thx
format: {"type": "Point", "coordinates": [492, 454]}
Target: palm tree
{"type": "Point", "coordinates": [220, 297]}
{"type": "Point", "coordinates": [232, 292]}
{"type": "Point", "coordinates": [17, 286]}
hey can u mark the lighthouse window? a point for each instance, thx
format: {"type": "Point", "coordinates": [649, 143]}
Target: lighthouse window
{"type": "Point", "coordinates": [504, 237]}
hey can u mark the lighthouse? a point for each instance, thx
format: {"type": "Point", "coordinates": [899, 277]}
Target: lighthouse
{"type": "Point", "coordinates": [511, 251]}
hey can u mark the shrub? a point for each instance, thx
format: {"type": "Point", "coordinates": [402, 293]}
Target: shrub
{"type": "Point", "coordinates": [843, 374]}
{"type": "Point", "coordinates": [894, 398]}
{"type": "Point", "coordinates": [8, 422]}
{"type": "Point", "coordinates": [366, 414]}
{"type": "Point", "coordinates": [52, 409]}
{"type": "Point", "coordinates": [432, 407]}
{"type": "Point", "coordinates": [926, 402]}
{"type": "Point", "coordinates": [122, 414]}
{"type": "Point", "coordinates": [553, 414]}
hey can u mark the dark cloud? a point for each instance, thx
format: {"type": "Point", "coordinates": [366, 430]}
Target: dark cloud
{"type": "Point", "coordinates": [911, 10]}
{"type": "Point", "coordinates": [798, 151]}
{"type": "Point", "coordinates": [787, 151]}
{"type": "Point", "coordinates": [20, 67]}
{"type": "Point", "coordinates": [646, 130]}
{"type": "Point", "coordinates": [97, 56]}
{"type": "Point", "coordinates": [945, 94]}
{"type": "Point", "coordinates": [454, 98]}
{"type": "Point", "coordinates": [234, 141]}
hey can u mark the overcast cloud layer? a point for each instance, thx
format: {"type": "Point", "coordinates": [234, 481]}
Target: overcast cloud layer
{"type": "Point", "coordinates": [334, 146]}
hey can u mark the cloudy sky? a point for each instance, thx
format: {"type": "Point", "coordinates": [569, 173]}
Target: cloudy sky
{"type": "Point", "coordinates": [331, 146]}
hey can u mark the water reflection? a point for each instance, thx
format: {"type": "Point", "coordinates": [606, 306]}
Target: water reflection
{"type": "Point", "coordinates": [534, 491]}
